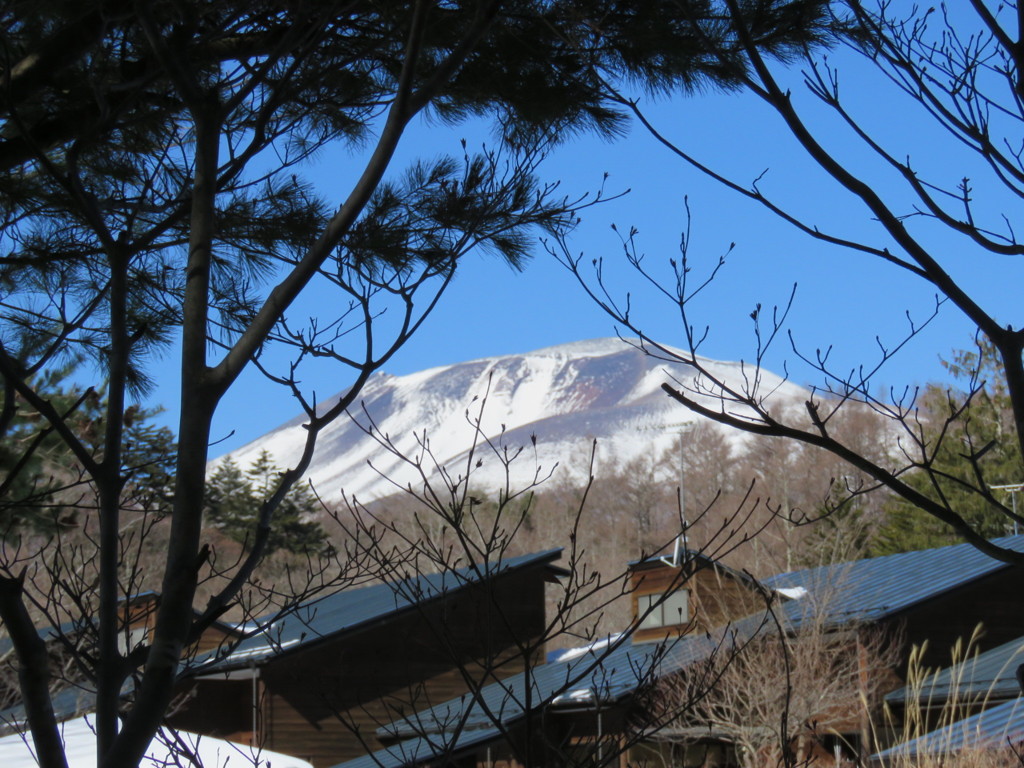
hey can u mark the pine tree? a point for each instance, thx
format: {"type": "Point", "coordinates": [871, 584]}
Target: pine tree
{"type": "Point", "coordinates": [234, 499]}
{"type": "Point", "coordinates": [153, 197]}
{"type": "Point", "coordinates": [43, 485]}
{"type": "Point", "coordinates": [976, 444]}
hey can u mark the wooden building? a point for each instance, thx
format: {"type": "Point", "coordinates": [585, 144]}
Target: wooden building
{"type": "Point", "coordinates": [584, 704]}
{"type": "Point", "coordinates": [318, 682]}
{"type": "Point", "coordinates": [688, 592]}
{"type": "Point", "coordinates": [442, 669]}
{"type": "Point", "coordinates": [75, 695]}
{"type": "Point", "coordinates": [919, 603]}
{"type": "Point", "coordinates": [935, 595]}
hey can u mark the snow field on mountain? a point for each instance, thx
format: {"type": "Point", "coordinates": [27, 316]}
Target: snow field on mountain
{"type": "Point", "coordinates": [566, 396]}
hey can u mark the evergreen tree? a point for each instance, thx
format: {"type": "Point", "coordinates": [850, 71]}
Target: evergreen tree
{"type": "Point", "coordinates": [971, 429]}
{"type": "Point", "coordinates": [230, 500]}
{"type": "Point", "coordinates": [152, 196]}
{"type": "Point", "coordinates": [234, 499]}
{"type": "Point", "coordinates": [28, 489]}
{"type": "Point", "coordinates": [43, 484]}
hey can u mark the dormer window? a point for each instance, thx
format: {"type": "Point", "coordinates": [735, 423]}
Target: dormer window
{"type": "Point", "coordinates": [128, 641]}
{"type": "Point", "coordinates": [673, 610]}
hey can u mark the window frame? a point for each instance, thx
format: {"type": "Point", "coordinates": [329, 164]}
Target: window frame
{"type": "Point", "coordinates": [675, 605]}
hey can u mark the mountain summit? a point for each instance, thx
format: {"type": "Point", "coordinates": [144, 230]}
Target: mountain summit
{"type": "Point", "coordinates": [551, 403]}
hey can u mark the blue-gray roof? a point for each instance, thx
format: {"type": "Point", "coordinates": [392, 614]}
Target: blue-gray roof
{"type": "Point", "coordinates": [596, 678]}
{"type": "Point", "coordinates": [989, 676]}
{"type": "Point", "coordinates": [876, 588]}
{"type": "Point", "coordinates": [344, 611]}
{"type": "Point", "coordinates": [356, 609]}
{"type": "Point", "coordinates": [69, 703]}
{"type": "Point", "coordinates": [73, 629]}
{"type": "Point", "coordinates": [856, 592]}
{"type": "Point", "coordinates": [424, 749]}
{"type": "Point", "coordinates": [1000, 726]}
{"type": "Point", "coordinates": [47, 634]}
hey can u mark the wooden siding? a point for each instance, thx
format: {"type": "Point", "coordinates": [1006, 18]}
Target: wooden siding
{"type": "Point", "coordinates": [323, 703]}
{"type": "Point", "coordinates": [140, 612]}
{"type": "Point", "coordinates": [225, 713]}
{"type": "Point", "coordinates": [715, 596]}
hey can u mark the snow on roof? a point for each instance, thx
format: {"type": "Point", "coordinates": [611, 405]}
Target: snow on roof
{"type": "Point", "coordinates": [572, 653]}
{"type": "Point", "coordinates": [793, 593]}
{"type": "Point", "coordinates": [80, 747]}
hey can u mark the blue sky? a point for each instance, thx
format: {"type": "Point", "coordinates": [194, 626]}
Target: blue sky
{"type": "Point", "coordinates": [843, 300]}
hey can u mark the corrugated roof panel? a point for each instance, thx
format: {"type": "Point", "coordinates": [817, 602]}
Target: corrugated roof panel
{"type": "Point", "coordinates": [864, 590]}
{"type": "Point", "coordinates": [421, 750]}
{"type": "Point", "coordinates": [607, 674]}
{"type": "Point", "coordinates": [999, 726]}
{"type": "Point", "coordinates": [872, 589]}
{"type": "Point", "coordinates": [353, 609]}
{"type": "Point", "coordinates": [992, 675]}
{"type": "Point", "coordinates": [67, 704]}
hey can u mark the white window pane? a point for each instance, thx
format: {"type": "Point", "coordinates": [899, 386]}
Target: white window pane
{"type": "Point", "coordinates": [676, 608]}
{"type": "Point", "coordinates": [643, 604]}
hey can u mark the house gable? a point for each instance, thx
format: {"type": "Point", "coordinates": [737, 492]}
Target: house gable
{"type": "Point", "coordinates": [321, 694]}
{"type": "Point", "coordinates": [688, 593]}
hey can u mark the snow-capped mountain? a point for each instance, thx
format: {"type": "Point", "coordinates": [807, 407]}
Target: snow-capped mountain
{"type": "Point", "coordinates": [564, 397]}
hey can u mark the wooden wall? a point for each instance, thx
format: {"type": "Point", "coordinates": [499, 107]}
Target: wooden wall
{"type": "Point", "coordinates": [323, 703]}
{"type": "Point", "coordinates": [716, 596]}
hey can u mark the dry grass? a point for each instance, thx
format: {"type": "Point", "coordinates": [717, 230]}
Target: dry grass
{"type": "Point", "coordinates": [929, 710]}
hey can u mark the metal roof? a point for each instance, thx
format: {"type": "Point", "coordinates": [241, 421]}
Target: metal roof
{"type": "Point", "coordinates": [68, 703]}
{"type": "Point", "coordinates": [423, 749]}
{"type": "Point", "coordinates": [343, 611]}
{"type": "Point", "coordinates": [47, 634]}
{"type": "Point", "coordinates": [1000, 726]}
{"type": "Point", "coordinates": [598, 677]}
{"type": "Point", "coordinates": [75, 627]}
{"type": "Point", "coordinates": [860, 591]}
{"type": "Point", "coordinates": [991, 676]}
{"type": "Point", "coordinates": [876, 588]}
{"type": "Point", "coordinates": [691, 556]}
{"type": "Point", "coordinates": [354, 609]}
